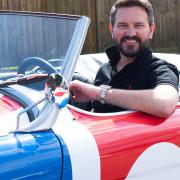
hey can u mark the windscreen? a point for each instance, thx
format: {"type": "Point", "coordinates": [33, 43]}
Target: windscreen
{"type": "Point", "coordinates": [33, 35]}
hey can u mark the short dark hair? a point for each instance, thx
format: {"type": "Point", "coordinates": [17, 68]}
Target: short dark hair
{"type": "Point", "coordinates": [145, 4]}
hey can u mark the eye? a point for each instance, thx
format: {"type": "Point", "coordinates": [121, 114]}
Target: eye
{"type": "Point", "coordinates": [139, 25]}
{"type": "Point", "coordinates": [122, 25]}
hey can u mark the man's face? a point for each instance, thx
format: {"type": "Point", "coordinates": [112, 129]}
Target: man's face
{"type": "Point", "coordinates": [131, 30]}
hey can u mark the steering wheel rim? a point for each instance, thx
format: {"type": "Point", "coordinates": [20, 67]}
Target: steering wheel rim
{"type": "Point", "coordinates": [36, 61]}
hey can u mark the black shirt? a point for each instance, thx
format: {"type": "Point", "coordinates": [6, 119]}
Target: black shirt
{"type": "Point", "coordinates": [146, 72]}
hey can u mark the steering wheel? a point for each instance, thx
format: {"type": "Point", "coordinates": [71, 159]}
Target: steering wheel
{"type": "Point", "coordinates": [38, 62]}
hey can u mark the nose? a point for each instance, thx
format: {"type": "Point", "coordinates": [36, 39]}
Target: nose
{"type": "Point", "coordinates": [131, 32]}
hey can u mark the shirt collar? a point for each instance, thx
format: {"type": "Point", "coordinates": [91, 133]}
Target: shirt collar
{"type": "Point", "coordinates": [114, 55]}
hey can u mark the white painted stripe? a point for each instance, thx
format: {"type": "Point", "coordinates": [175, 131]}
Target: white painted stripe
{"type": "Point", "coordinates": [99, 114]}
{"type": "Point", "coordinates": [160, 161]}
{"type": "Point", "coordinates": [82, 147]}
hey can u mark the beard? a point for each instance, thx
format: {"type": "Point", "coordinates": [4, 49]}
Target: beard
{"type": "Point", "coordinates": [131, 50]}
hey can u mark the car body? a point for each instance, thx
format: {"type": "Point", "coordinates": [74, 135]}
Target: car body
{"type": "Point", "coordinates": [44, 137]}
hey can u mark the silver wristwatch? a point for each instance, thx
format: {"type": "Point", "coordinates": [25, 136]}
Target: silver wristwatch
{"type": "Point", "coordinates": [104, 90]}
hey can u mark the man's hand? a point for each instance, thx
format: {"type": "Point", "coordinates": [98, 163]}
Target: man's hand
{"type": "Point", "coordinates": [83, 92]}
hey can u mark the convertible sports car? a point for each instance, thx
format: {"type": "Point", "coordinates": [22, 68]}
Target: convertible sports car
{"type": "Point", "coordinates": [42, 136]}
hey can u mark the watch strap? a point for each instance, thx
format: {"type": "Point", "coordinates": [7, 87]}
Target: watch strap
{"type": "Point", "coordinates": [103, 93]}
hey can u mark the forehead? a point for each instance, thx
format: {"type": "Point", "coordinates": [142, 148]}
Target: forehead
{"type": "Point", "coordinates": [126, 14]}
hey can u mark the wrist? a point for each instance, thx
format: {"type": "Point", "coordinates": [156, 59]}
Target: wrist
{"type": "Point", "coordinates": [97, 93]}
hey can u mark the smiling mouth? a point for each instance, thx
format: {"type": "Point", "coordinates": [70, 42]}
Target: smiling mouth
{"type": "Point", "coordinates": [130, 41]}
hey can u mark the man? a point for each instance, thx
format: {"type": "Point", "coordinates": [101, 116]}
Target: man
{"type": "Point", "coordinates": [133, 78]}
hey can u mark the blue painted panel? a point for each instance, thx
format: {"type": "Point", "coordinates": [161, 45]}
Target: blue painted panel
{"type": "Point", "coordinates": [67, 166]}
{"type": "Point", "coordinates": [30, 156]}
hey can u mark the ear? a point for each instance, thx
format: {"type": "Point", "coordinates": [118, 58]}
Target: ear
{"type": "Point", "coordinates": [152, 29]}
{"type": "Point", "coordinates": [111, 30]}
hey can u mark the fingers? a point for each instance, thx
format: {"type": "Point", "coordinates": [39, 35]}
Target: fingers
{"type": "Point", "coordinates": [74, 84]}
{"type": "Point", "coordinates": [74, 87]}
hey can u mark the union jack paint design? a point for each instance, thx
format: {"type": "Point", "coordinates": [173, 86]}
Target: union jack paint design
{"type": "Point", "coordinates": [129, 145]}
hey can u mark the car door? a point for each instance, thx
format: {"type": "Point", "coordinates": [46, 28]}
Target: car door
{"type": "Point", "coordinates": [30, 156]}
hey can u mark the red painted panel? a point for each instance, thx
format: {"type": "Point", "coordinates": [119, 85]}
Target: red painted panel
{"type": "Point", "coordinates": [7, 104]}
{"type": "Point", "coordinates": [122, 139]}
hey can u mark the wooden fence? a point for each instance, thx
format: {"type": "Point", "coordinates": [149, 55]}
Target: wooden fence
{"type": "Point", "coordinates": [167, 14]}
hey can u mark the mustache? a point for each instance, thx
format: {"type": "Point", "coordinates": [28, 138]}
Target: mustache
{"type": "Point", "coordinates": [130, 38]}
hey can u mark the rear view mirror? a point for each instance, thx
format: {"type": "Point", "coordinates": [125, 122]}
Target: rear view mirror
{"type": "Point", "coordinates": [56, 89]}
